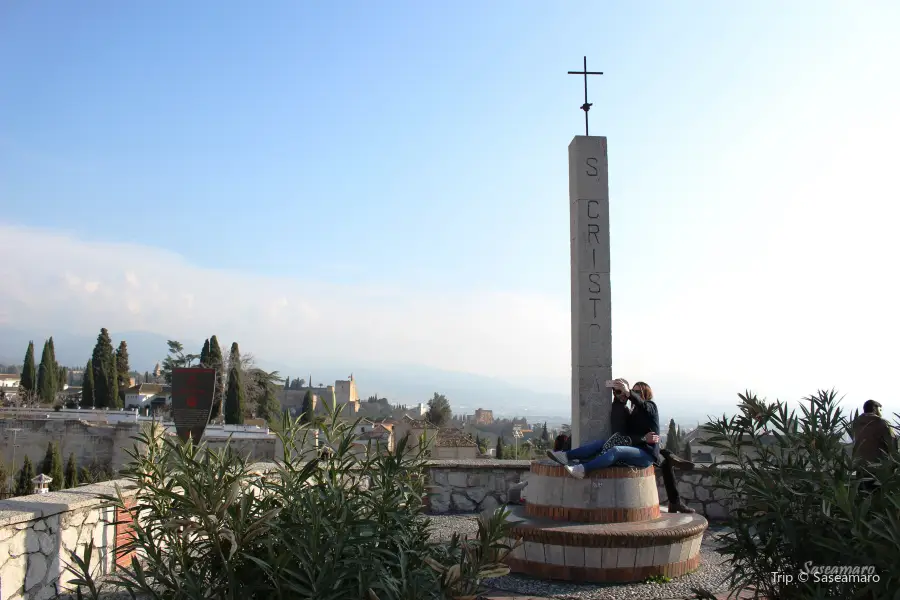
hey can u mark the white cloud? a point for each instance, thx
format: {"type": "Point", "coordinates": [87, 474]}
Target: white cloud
{"type": "Point", "coordinates": [774, 330]}
{"type": "Point", "coordinates": [278, 318]}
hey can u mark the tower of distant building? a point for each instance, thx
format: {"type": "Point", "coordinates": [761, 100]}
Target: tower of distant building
{"type": "Point", "coordinates": [343, 392]}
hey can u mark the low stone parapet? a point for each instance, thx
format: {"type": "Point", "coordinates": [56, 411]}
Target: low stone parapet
{"type": "Point", "coordinates": [474, 486]}
{"type": "Point", "coordinates": [697, 490]}
{"type": "Point", "coordinates": [38, 533]}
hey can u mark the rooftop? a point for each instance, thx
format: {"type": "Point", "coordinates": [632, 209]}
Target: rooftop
{"type": "Point", "coordinates": [454, 438]}
{"type": "Point", "coordinates": [375, 434]}
{"type": "Point", "coordinates": [145, 389]}
{"type": "Point", "coordinates": [418, 423]}
{"type": "Point", "coordinates": [702, 457]}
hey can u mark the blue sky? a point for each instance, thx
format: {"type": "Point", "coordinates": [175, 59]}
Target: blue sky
{"type": "Point", "coordinates": [392, 177]}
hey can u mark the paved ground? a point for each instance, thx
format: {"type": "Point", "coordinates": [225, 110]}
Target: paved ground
{"type": "Point", "coordinates": [508, 596]}
{"type": "Point", "coordinates": [710, 575]}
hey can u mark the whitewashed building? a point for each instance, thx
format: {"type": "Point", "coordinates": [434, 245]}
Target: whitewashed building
{"type": "Point", "coordinates": [140, 396]}
{"type": "Point", "coordinates": [9, 381]}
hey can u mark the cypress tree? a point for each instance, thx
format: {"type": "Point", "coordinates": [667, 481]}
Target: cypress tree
{"type": "Point", "coordinates": [62, 378]}
{"type": "Point", "coordinates": [499, 447]}
{"type": "Point", "coordinates": [84, 475]}
{"type": "Point", "coordinates": [113, 384]}
{"type": "Point", "coordinates": [87, 385]}
{"type": "Point", "coordinates": [672, 437]}
{"type": "Point", "coordinates": [71, 472]}
{"type": "Point", "coordinates": [24, 486]}
{"type": "Point", "coordinates": [687, 450]}
{"type": "Point", "coordinates": [306, 409]}
{"type": "Point", "coordinates": [545, 435]}
{"type": "Point", "coordinates": [106, 394]}
{"type": "Point", "coordinates": [204, 354]}
{"type": "Point", "coordinates": [47, 465]}
{"type": "Point", "coordinates": [28, 381]}
{"type": "Point", "coordinates": [217, 362]}
{"type": "Point", "coordinates": [53, 467]}
{"type": "Point", "coordinates": [146, 376]}
{"type": "Point", "coordinates": [54, 363]}
{"type": "Point", "coordinates": [287, 383]}
{"type": "Point", "coordinates": [123, 373]}
{"type": "Point", "coordinates": [46, 388]}
{"type": "Point", "coordinates": [234, 396]}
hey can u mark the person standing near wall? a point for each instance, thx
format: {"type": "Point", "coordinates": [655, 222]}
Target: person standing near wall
{"type": "Point", "coordinates": [873, 439]}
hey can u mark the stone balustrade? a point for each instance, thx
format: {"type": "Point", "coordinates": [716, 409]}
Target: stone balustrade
{"type": "Point", "coordinates": [697, 491]}
{"type": "Point", "coordinates": [478, 484]}
{"type": "Point", "coordinates": [468, 485]}
{"type": "Point", "coordinates": [38, 533]}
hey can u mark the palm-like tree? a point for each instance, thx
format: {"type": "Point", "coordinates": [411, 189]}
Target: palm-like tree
{"type": "Point", "coordinates": [263, 378]}
{"type": "Point", "coordinates": [265, 384]}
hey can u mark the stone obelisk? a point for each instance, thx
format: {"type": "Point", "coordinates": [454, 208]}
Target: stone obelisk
{"type": "Point", "coordinates": [591, 306]}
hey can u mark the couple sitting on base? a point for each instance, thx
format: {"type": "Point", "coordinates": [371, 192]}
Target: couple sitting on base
{"type": "Point", "coordinates": [634, 442]}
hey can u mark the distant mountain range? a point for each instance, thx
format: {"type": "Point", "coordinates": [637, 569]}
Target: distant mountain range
{"type": "Point", "coordinates": [401, 384]}
{"type": "Point", "coordinates": [686, 402]}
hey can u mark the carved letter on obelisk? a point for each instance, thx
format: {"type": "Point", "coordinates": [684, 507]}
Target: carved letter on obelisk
{"type": "Point", "coordinates": [591, 309]}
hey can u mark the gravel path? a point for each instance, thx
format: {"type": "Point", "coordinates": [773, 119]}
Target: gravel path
{"type": "Point", "coordinates": [710, 575]}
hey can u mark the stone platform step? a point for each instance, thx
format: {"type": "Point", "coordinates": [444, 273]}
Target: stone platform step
{"type": "Point", "coordinates": [606, 552]}
{"type": "Point", "coordinates": [613, 495]}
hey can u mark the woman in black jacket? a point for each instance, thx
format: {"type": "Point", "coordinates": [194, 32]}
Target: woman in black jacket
{"type": "Point", "coordinates": [669, 461]}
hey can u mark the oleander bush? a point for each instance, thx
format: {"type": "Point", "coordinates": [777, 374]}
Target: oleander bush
{"type": "Point", "coordinates": [328, 525]}
{"type": "Point", "coordinates": [795, 499]}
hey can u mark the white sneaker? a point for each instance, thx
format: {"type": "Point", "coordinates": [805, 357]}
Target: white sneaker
{"type": "Point", "coordinates": [577, 471]}
{"type": "Point", "coordinates": [559, 457]}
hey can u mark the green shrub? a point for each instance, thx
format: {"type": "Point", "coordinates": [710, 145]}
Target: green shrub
{"type": "Point", "coordinates": [24, 485]}
{"type": "Point", "coordinates": [4, 480]}
{"type": "Point", "coordinates": [326, 525]}
{"type": "Point", "coordinates": [793, 492]}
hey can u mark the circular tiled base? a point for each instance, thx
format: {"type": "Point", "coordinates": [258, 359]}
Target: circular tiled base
{"type": "Point", "coordinates": [613, 495]}
{"type": "Point", "coordinates": [602, 575]}
{"type": "Point", "coordinates": [606, 552]}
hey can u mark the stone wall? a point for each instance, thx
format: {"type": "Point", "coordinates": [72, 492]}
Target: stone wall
{"type": "Point", "coordinates": [472, 485]}
{"type": "Point", "coordinates": [37, 534]}
{"type": "Point", "coordinates": [91, 443]}
{"type": "Point", "coordinates": [98, 443]}
{"type": "Point", "coordinates": [479, 484]}
{"type": "Point", "coordinates": [697, 491]}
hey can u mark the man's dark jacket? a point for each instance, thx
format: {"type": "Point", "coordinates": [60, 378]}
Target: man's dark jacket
{"type": "Point", "coordinates": [872, 437]}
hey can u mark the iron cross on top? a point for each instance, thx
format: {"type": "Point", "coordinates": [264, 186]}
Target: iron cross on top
{"type": "Point", "coordinates": [587, 105]}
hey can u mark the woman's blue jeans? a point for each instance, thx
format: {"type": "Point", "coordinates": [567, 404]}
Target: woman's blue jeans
{"type": "Point", "coordinates": [636, 457]}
